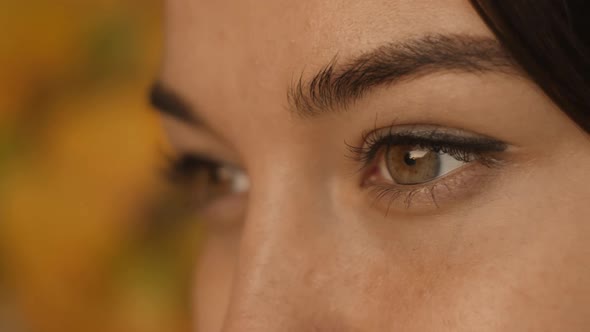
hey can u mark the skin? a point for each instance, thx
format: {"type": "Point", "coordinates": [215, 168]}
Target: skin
{"type": "Point", "coordinates": [308, 248]}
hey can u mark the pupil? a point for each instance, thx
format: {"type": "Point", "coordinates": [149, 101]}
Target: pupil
{"type": "Point", "coordinates": [409, 160]}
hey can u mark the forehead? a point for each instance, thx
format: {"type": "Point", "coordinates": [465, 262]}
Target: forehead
{"type": "Point", "coordinates": [237, 58]}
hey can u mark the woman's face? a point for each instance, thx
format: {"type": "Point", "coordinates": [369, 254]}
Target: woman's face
{"type": "Point", "coordinates": [372, 166]}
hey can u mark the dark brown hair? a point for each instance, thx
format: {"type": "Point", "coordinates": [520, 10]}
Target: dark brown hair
{"type": "Point", "coordinates": [550, 39]}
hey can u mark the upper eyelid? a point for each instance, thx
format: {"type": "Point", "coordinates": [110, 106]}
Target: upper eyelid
{"type": "Point", "coordinates": [198, 140]}
{"type": "Point", "coordinates": [198, 158]}
{"type": "Point", "coordinates": [450, 140]}
{"type": "Point", "coordinates": [177, 168]}
{"type": "Point", "coordinates": [203, 160]}
{"type": "Point", "coordinates": [430, 131]}
{"type": "Point", "coordinates": [435, 134]}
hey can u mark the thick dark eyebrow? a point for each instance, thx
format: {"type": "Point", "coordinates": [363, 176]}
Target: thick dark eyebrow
{"type": "Point", "coordinates": [338, 85]}
{"type": "Point", "coordinates": [168, 102]}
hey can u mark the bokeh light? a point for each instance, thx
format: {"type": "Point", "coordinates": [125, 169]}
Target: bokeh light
{"type": "Point", "coordinates": [91, 236]}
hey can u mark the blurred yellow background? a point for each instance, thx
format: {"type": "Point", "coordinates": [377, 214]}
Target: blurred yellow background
{"type": "Point", "coordinates": [90, 235]}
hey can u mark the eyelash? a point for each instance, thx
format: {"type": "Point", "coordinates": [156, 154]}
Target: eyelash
{"type": "Point", "coordinates": [465, 149]}
{"type": "Point", "coordinates": [185, 166]}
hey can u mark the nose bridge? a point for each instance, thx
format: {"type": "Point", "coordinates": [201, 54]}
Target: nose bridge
{"type": "Point", "coordinates": [282, 225]}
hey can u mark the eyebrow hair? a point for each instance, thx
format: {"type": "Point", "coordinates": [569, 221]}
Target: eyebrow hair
{"type": "Point", "coordinates": [168, 102]}
{"type": "Point", "coordinates": [336, 86]}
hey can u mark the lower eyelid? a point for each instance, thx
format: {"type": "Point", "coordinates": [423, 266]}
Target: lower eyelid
{"type": "Point", "coordinates": [453, 188]}
{"type": "Point", "coordinates": [224, 214]}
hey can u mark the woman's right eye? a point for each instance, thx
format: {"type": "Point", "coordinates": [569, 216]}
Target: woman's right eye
{"type": "Point", "coordinates": [207, 180]}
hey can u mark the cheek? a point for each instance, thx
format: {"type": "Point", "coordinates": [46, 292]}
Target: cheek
{"type": "Point", "coordinates": [493, 275]}
{"type": "Point", "coordinates": [524, 261]}
{"type": "Point", "coordinates": [214, 278]}
{"type": "Point", "coordinates": [516, 259]}
{"type": "Point", "coordinates": [225, 215]}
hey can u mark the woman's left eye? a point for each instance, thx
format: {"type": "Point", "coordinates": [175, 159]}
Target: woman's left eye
{"type": "Point", "coordinates": [411, 165]}
{"type": "Point", "coordinates": [406, 163]}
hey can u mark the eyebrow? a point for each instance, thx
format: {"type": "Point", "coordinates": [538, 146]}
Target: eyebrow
{"type": "Point", "coordinates": [336, 86]}
{"type": "Point", "coordinates": [170, 103]}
